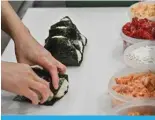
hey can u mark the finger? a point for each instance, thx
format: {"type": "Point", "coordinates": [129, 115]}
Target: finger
{"type": "Point", "coordinates": [42, 89]}
{"type": "Point", "coordinates": [55, 79]}
{"type": "Point", "coordinates": [44, 82]}
{"type": "Point", "coordinates": [61, 67]}
{"type": "Point", "coordinates": [47, 84]}
{"type": "Point", "coordinates": [32, 96]}
{"type": "Point", "coordinates": [38, 79]}
{"type": "Point", "coordinates": [49, 64]}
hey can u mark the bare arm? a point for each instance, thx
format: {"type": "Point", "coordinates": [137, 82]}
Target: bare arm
{"type": "Point", "coordinates": [27, 49]}
{"type": "Point", "coordinates": [11, 23]}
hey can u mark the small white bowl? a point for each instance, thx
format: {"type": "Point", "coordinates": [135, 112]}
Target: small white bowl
{"type": "Point", "coordinates": [143, 106]}
{"type": "Point", "coordinates": [128, 41]}
{"type": "Point", "coordinates": [132, 15]}
{"type": "Point", "coordinates": [133, 63]}
{"type": "Point", "coordinates": [118, 99]}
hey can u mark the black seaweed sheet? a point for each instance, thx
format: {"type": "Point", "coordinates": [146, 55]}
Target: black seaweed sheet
{"type": "Point", "coordinates": [68, 32]}
{"type": "Point", "coordinates": [46, 76]}
{"type": "Point", "coordinates": [71, 32]}
{"type": "Point", "coordinates": [59, 47]}
{"type": "Point", "coordinates": [64, 51]}
{"type": "Point", "coordinates": [67, 23]}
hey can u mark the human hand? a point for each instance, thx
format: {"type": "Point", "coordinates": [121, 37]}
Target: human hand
{"type": "Point", "coordinates": [20, 79]}
{"type": "Point", "coordinates": [29, 51]}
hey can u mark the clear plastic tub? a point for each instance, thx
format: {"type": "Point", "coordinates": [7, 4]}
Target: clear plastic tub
{"type": "Point", "coordinates": [134, 108]}
{"type": "Point", "coordinates": [131, 15]}
{"type": "Point", "coordinates": [128, 41]}
{"type": "Point", "coordinates": [134, 63]}
{"type": "Point", "coordinates": [118, 99]}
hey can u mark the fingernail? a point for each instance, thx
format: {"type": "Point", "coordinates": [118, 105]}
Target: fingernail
{"type": "Point", "coordinates": [35, 103]}
{"type": "Point", "coordinates": [56, 86]}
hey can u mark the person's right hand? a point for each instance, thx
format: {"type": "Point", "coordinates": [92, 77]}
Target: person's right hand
{"type": "Point", "coordinates": [20, 79]}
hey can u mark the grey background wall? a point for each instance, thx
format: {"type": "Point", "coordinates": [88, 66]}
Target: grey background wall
{"type": "Point", "coordinates": [20, 8]}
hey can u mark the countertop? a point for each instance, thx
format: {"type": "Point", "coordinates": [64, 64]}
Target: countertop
{"type": "Point", "coordinates": [102, 58]}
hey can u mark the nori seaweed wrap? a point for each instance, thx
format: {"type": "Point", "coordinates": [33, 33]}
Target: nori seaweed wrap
{"type": "Point", "coordinates": [66, 22]}
{"type": "Point", "coordinates": [61, 34]}
{"type": "Point", "coordinates": [68, 32]}
{"type": "Point", "coordinates": [58, 94]}
{"type": "Point", "coordinates": [64, 51]}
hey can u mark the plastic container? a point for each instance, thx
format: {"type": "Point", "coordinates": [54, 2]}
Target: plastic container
{"type": "Point", "coordinates": [135, 64]}
{"type": "Point", "coordinates": [131, 15]}
{"type": "Point", "coordinates": [128, 41]}
{"type": "Point", "coordinates": [134, 108]}
{"type": "Point", "coordinates": [118, 99]}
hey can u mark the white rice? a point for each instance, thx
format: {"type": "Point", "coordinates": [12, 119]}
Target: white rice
{"type": "Point", "coordinates": [145, 55]}
{"type": "Point", "coordinates": [79, 55]}
{"type": "Point", "coordinates": [61, 27]}
{"type": "Point", "coordinates": [78, 42]}
{"type": "Point", "coordinates": [58, 36]}
{"type": "Point", "coordinates": [62, 89]}
{"type": "Point", "coordinates": [83, 39]}
{"type": "Point", "coordinates": [64, 19]}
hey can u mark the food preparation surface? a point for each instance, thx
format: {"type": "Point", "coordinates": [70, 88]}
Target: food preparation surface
{"type": "Point", "coordinates": [103, 56]}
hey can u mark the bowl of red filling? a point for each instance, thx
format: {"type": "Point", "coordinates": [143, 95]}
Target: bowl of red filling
{"type": "Point", "coordinates": [138, 30]}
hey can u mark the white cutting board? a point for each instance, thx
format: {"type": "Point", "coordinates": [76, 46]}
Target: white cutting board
{"type": "Point", "coordinates": [102, 58]}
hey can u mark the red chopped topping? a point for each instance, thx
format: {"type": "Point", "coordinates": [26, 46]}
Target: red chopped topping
{"type": "Point", "coordinates": [140, 29]}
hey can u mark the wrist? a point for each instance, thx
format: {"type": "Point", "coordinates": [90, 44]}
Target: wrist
{"type": "Point", "coordinates": [21, 34]}
{"type": "Point", "coordinates": [3, 68]}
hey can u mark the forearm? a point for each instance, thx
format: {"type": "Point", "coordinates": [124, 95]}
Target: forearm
{"type": "Point", "coordinates": [11, 23]}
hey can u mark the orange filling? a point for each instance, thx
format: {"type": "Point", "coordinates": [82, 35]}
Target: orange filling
{"type": "Point", "coordinates": [136, 85]}
{"type": "Point", "coordinates": [144, 10]}
{"type": "Point", "coordinates": [139, 113]}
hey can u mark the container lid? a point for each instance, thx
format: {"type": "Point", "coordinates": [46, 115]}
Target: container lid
{"type": "Point", "coordinates": [135, 105]}
{"type": "Point", "coordinates": [112, 82]}
{"type": "Point", "coordinates": [141, 56]}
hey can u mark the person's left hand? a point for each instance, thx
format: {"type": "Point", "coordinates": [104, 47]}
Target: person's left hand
{"type": "Point", "coordinates": [29, 51]}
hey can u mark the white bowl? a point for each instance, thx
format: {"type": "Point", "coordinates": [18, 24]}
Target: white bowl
{"type": "Point", "coordinates": [133, 63]}
{"type": "Point", "coordinates": [132, 16]}
{"type": "Point", "coordinates": [128, 41]}
{"type": "Point", "coordinates": [118, 99]}
{"type": "Point", "coordinates": [134, 106]}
